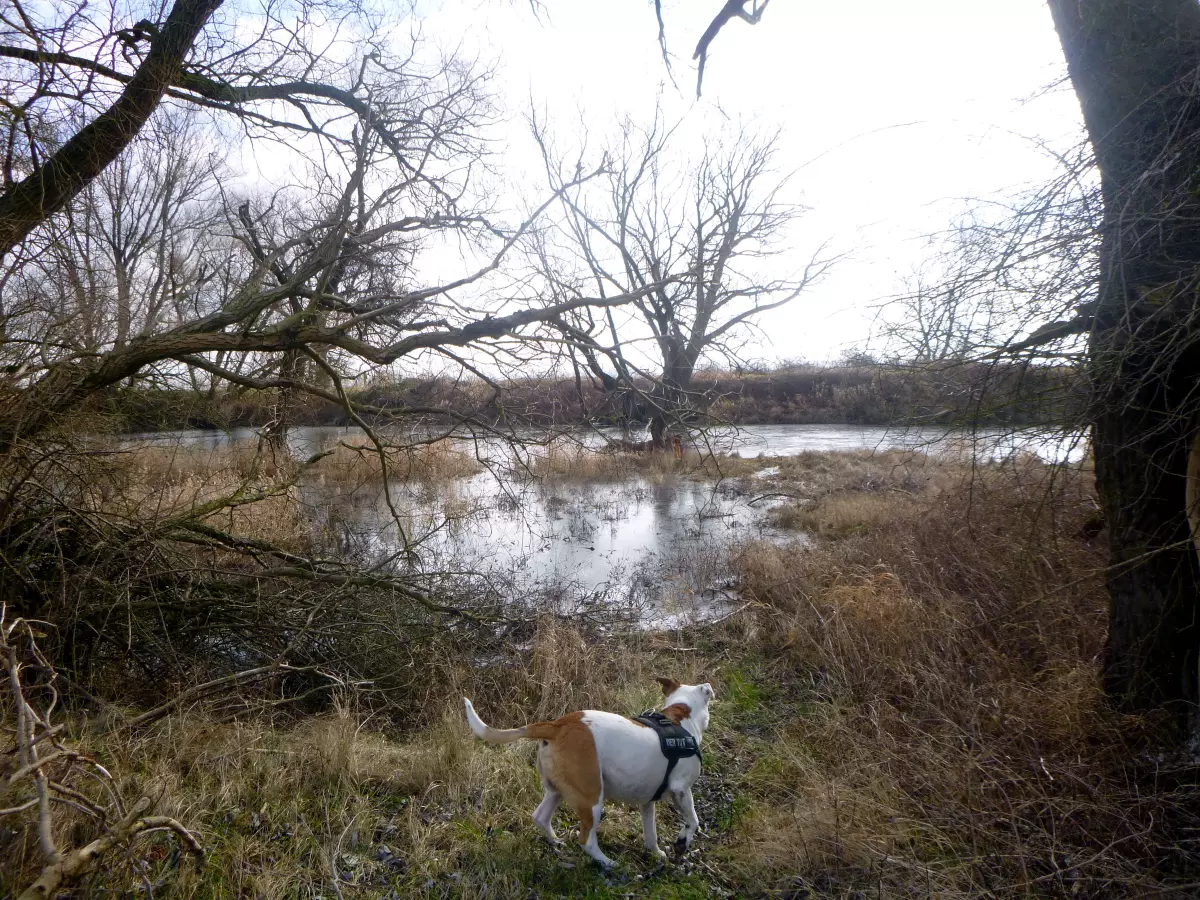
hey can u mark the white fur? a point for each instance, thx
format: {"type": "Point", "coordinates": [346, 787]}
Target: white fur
{"type": "Point", "coordinates": [474, 721]}
{"type": "Point", "coordinates": [632, 767]}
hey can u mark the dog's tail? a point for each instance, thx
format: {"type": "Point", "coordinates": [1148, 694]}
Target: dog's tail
{"type": "Point", "coordinates": [534, 731]}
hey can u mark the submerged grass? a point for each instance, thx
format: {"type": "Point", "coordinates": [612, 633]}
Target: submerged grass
{"type": "Point", "coordinates": [568, 460]}
{"type": "Point", "coordinates": [910, 705]}
{"type": "Point", "coordinates": [347, 462]}
{"type": "Point", "coordinates": [254, 489]}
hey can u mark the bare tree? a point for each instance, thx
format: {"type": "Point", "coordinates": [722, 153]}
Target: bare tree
{"type": "Point", "coordinates": [151, 210]}
{"type": "Point", "coordinates": [1132, 64]}
{"type": "Point", "coordinates": [325, 268]}
{"type": "Point", "coordinates": [124, 256]}
{"type": "Point", "coordinates": [1009, 279]}
{"type": "Point", "coordinates": [63, 63]}
{"type": "Point", "coordinates": [694, 243]}
{"type": "Point", "coordinates": [730, 10]}
{"type": "Point", "coordinates": [1133, 67]}
{"type": "Point", "coordinates": [302, 290]}
{"type": "Point", "coordinates": [80, 81]}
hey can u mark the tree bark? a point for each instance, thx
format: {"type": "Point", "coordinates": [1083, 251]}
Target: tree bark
{"type": "Point", "coordinates": [1134, 66]}
{"type": "Point", "coordinates": [46, 190]}
{"type": "Point", "coordinates": [670, 395]}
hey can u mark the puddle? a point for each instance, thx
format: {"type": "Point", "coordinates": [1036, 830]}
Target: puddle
{"type": "Point", "coordinates": [657, 549]}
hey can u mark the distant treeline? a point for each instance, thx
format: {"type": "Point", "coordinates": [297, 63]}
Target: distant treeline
{"type": "Point", "coordinates": [804, 394]}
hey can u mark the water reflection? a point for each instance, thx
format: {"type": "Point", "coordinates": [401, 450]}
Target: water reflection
{"type": "Point", "coordinates": [658, 547]}
{"type": "Point", "coordinates": [746, 440]}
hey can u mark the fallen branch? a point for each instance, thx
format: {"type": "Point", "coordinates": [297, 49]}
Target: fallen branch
{"type": "Point", "coordinates": [74, 865]}
{"type": "Point", "coordinates": [208, 687]}
{"type": "Point", "coordinates": [18, 652]}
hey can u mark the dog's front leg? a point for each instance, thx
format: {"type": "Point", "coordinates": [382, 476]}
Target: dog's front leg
{"type": "Point", "coordinates": [650, 831]}
{"type": "Point", "coordinates": [691, 822]}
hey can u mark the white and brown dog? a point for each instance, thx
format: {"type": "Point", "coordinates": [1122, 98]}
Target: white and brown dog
{"type": "Point", "coordinates": [590, 756]}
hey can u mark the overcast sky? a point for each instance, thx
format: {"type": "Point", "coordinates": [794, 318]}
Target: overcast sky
{"type": "Point", "coordinates": [893, 113]}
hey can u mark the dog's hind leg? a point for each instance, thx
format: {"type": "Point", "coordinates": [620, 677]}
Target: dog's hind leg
{"type": "Point", "coordinates": [650, 831]}
{"type": "Point", "coordinates": [570, 763]}
{"type": "Point", "coordinates": [589, 825]}
{"type": "Point", "coordinates": [543, 816]}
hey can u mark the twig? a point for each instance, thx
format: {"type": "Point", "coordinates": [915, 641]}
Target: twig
{"type": "Point", "coordinates": [775, 496]}
{"type": "Point", "coordinates": [200, 690]}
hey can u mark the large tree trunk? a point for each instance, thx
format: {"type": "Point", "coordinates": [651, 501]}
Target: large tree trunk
{"type": "Point", "coordinates": [49, 188]}
{"type": "Point", "coordinates": [1135, 65]}
{"type": "Point", "coordinates": [670, 396]}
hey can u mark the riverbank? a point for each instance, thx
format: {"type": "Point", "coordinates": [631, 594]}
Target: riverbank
{"type": "Point", "coordinates": [908, 705]}
{"type": "Point", "coordinates": [999, 394]}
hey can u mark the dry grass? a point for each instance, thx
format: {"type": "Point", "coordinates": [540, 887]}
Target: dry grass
{"type": "Point", "coordinates": [570, 461]}
{"type": "Point", "coordinates": [832, 495]}
{"type": "Point", "coordinates": [155, 482]}
{"type": "Point", "coordinates": [954, 732]}
{"type": "Point", "coordinates": [159, 483]}
{"type": "Point", "coordinates": [910, 707]}
{"type": "Point", "coordinates": [360, 464]}
{"type": "Point", "coordinates": [285, 808]}
{"type": "Point", "coordinates": [349, 463]}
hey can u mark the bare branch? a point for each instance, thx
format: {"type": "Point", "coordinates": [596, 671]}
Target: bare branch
{"type": "Point", "coordinates": [733, 9]}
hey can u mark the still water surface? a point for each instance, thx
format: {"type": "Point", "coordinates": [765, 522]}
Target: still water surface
{"type": "Point", "coordinates": [656, 547]}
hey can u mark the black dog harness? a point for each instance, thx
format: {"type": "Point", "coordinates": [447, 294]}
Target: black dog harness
{"type": "Point", "coordinates": [675, 741]}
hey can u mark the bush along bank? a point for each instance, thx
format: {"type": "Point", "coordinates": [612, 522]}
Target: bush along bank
{"type": "Point", "coordinates": [861, 395]}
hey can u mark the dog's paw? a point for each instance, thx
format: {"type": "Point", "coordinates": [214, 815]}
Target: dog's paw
{"type": "Point", "coordinates": [658, 854]}
{"type": "Point", "coordinates": [614, 876]}
{"type": "Point", "coordinates": [661, 864]}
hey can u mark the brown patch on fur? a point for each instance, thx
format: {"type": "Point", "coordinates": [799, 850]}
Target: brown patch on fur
{"type": "Point", "coordinates": [636, 722]}
{"type": "Point", "coordinates": [570, 765]}
{"type": "Point", "coordinates": [677, 712]}
{"type": "Point", "coordinates": [669, 685]}
{"type": "Point", "coordinates": [586, 822]}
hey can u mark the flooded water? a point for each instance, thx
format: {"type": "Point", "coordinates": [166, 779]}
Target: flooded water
{"type": "Point", "coordinates": [656, 548]}
{"type": "Point", "coordinates": [789, 440]}
{"type": "Point", "coordinates": [745, 440]}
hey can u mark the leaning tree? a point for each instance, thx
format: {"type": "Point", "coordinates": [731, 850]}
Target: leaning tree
{"type": "Point", "coordinates": [386, 135]}
{"type": "Point", "coordinates": [150, 269]}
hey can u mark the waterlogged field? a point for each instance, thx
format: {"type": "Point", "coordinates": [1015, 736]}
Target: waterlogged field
{"type": "Point", "coordinates": [904, 646]}
{"type": "Point", "coordinates": [647, 538]}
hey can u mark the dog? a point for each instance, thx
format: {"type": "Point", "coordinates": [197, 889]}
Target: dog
{"type": "Point", "coordinates": [590, 756]}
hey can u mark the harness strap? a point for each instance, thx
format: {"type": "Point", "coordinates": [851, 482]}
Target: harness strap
{"type": "Point", "coordinates": [662, 788]}
{"type": "Point", "coordinates": [674, 741]}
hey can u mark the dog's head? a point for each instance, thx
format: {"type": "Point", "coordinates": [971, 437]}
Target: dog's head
{"type": "Point", "coordinates": [695, 697]}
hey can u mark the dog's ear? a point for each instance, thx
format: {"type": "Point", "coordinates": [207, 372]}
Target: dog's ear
{"type": "Point", "coordinates": [669, 685]}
